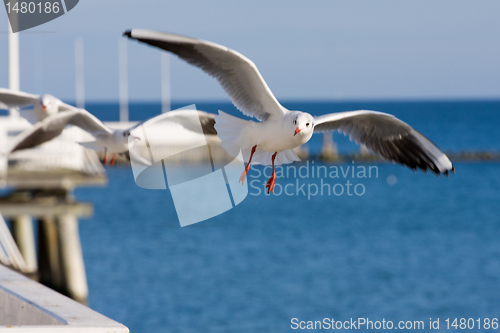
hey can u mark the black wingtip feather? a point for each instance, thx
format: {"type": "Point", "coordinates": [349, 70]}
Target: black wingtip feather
{"type": "Point", "coordinates": [128, 33]}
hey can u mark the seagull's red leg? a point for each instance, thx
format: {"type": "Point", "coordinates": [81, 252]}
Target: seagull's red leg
{"type": "Point", "coordinates": [244, 173]}
{"type": "Point", "coordinates": [271, 181]}
{"type": "Point", "coordinates": [112, 162]}
{"type": "Point", "coordinates": [105, 159]}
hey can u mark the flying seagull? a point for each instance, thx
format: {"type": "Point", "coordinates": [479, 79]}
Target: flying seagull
{"type": "Point", "coordinates": [43, 105]}
{"type": "Point", "coordinates": [271, 140]}
{"type": "Point", "coordinates": [109, 140]}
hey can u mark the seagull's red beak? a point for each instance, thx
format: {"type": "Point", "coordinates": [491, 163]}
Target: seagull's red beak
{"type": "Point", "coordinates": [297, 130]}
{"type": "Point", "coordinates": [44, 108]}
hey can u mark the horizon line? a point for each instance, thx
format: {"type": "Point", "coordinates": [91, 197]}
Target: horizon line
{"type": "Point", "coordinates": [306, 100]}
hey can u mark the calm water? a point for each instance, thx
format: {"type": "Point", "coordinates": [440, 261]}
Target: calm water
{"type": "Point", "coordinates": [424, 247]}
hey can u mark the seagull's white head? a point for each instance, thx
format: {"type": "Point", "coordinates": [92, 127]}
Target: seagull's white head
{"type": "Point", "coordinates": [301, 125]}
{"type": "Point", "coordinates": [121, 139]}
{"type": "Point", "coordinates": [49, 105]}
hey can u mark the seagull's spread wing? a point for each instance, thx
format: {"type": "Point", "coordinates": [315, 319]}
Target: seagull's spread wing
{"type": "Point", "coordinates": [52, 126]}
{"type": "Point", "coordinates": [237, 74]}
{"type": "Point", "coordinates": [13, 98]}
{"type": "Point", "coordinates": [87, 122]}
{"type": "Point", "coordinates": [388, 136]}
{"type": "Point", "coordinates": [189, 119]}
{"type": "Point", "coordinates": [41, 132]}
{"type": "Point", "coordinates": [66, 107]}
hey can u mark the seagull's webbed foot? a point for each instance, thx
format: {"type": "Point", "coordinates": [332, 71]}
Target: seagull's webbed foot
{"type": "Point", "coordinates": [112, 162]}
{"type": "Point", "coordinates": [270, 184]}
{"type": "Point", "coordinates": [272, 180]}
{"type": "Point", "coordinates": [244, 173]}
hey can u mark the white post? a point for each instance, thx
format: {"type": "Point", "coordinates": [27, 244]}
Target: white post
{"type": "Point", "coordinates": [75, 279]}
{"type": "Point", "coordinates": [79, 73]}
{"type": "Point", "coordinates": [13, 64]}
{"type": "Point", "coordinates": [329, 150]}
{"type": "Point", "coordinates": [22, 230]}
{"type": "Point", "coordinates": [123, 80]}
{"type": "Point", "coordinates": [4, 159]}
{"type": "Point", "coordinates": [165, 82]}
{"type": "Point", "coordinates": [14, 256]}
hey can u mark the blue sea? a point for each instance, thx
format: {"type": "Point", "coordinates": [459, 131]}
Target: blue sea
{"type": "Point", "coordinates": [411, 247]}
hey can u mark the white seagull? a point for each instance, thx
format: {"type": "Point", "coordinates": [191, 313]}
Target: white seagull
{"type": "Point", "coordinates": [43, 105]}
{"type": "Point", "coordinates": [115, 141]}
{"type": "Point", "coordinates": [271, 140]}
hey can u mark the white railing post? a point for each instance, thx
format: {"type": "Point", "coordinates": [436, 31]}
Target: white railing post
{"type": "Point", "coordinates": [165, 82]}
{"type": "Point", "coordinates": [3, 157]}
{"type": "Point", "coordinates": [79, 74]}
{"type": "Point", "coordinates": [14, 82]}
{"type": "Point", "coordinates": [123, 80]}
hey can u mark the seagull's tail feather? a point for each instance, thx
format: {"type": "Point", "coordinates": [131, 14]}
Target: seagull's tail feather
{"type": "Point", "coordinates": [234, 134]}
{"type": "Point", "coordinates": [91, 145]}
{"type": "Point", "coordinates": [265, 157]}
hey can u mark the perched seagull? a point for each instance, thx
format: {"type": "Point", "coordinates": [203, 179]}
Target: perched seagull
{"type": "Point", "coordinates": [107, 140]}
{"type": "Point", "coordinates": [43, 105]}
{"type": "Point", "coordinates": [271, 140]}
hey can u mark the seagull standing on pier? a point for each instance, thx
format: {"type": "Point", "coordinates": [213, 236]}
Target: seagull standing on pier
{"type": "Point", "coordinates": [271, 140]}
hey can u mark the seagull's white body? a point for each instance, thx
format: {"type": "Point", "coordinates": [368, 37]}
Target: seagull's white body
{"type": "Point", "coordinates": [270, 136]}
{"type": "Point", "coordinates": [270, 141]}
{"type": "Point", "coordinates": [115, 142]}
{"type": "Point", "coordinates": [265, 134]}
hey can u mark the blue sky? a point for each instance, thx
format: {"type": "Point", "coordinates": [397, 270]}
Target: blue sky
{"type": "Point", "coordinates": [334, 50]}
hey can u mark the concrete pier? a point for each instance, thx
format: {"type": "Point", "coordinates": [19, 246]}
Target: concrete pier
{"type": "Point", "coordinates": [27, 306]}
{"type": "Point", "coordinates": [47, 198]}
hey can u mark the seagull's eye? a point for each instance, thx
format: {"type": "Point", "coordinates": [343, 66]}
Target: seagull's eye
{"type": "Point", "coordinates": [295, 121]}
{"type": "Point", "coordinates": [307, 124]}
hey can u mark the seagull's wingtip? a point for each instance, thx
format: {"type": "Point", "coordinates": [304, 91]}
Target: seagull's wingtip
{"type": "Point", "coordinates": [128, 33]}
